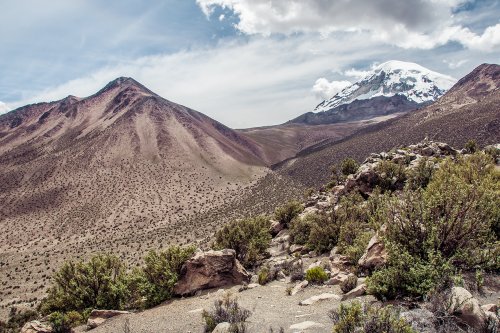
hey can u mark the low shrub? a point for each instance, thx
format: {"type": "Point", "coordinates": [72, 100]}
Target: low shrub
{"type": "Point", "coordinates": [286, 213]}
{"type": "Point", "coordinates": [348, 166]}
{"type": "Point", "coordinates": [250, 238]}
{"type": "Point", "coordinates": [316, 275]}
{"type": "Point", "coordinates": [264, 276]}
{"type": "Point", "coordinates": [421, 174]}
{"type": "Point", "coordinates": [471, 147]}
{"type": "Point", "coordinates": [323, 234]}
{"type": "Point", "coordinates": [392, 175]}
{"type": "Point", "coordinates": [63, 322]}
{"type": "Point", "coordinates": [368, 319]}
{"type": "Point", "coordinates": [156, 279]}
{"type": "Point", "coordinates": [97, 283]}
{"type": "Point", "coordinates": [226, 309]}
{"type": "Point", "coordinates": [301, 228]}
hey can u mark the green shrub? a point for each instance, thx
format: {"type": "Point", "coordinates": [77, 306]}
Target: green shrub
{"type": "Point", "coordinates": [471, 147]}
{"type": "Point", "coordinates": [356, 250]}
{"type": "Point", "coordinates": [421, 175]}
{"type": "Point", "coordinates": [323, 234]}
{"type": "Point", "coordinates": [226, 309]}
{"type": "Point", "coordinates": [349, 284]}
{"type": "Point", "coordinates": [264, 275]}
{"type": "Point", "coordinates": [368, 319]}
{"type": "Point", "coordinates": [392, 175]}
{"type": "Point", "coordinates": [300, 229]}
{"type": "Point", "coordinates": [316, 275]}
{"type": "Point", "coordinates": [97, 283]}
{"type": "Point", "coordinates": [407, 275]}
{"type": "Point", "coordinates": [62, 323]}
{"type": "Point", "coordinates": [349, 166]}
{"type": "Point", "coordinates": [286, 213]}
{"type": "Point", "coordinates": [161, 271]}
{"type": "Point", "coordinates": [250, 238]}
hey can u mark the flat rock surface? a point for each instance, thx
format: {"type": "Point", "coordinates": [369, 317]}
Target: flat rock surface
{"type": "Point", "coordinates": [269, 304]}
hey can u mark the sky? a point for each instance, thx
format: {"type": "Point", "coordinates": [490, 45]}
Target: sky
{"type": "Point", "coordinates": [245, 63]}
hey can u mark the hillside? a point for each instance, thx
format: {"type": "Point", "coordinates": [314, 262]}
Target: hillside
{"type": "Point", "coordinates": [469, 110]}
{"type": "Point", "coordinates": [122, 169]}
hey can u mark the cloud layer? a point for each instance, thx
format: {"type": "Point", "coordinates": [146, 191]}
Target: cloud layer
{"type": "Point", "coordinates": [409, 24]}
{"type": "Point", "coordinates": [3, 107]}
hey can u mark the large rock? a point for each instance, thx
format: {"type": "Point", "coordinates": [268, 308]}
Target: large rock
{"type": "Point", "coordinates": [375, 255]}
{"type": "Point", "coordinates": [321, 297]}
{"type": "Point", "coordinates": [98, 317]}
{"type": "Point", "coordinates": [222, 328]}
{"type": "Point", "coordinates": [467, 308]}
{"type": "Point", "coordinates": [305, 325]}
{"type": "Point", "coordinates": [36, 326]}
{"type": "Point", "coordinates": [356, 292]}
{"type": "Point", "coordinates": [212, 269]}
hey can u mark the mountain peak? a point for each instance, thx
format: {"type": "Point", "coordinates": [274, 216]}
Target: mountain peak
{"type": "Point", "coordinates": [417, 83]}
{"type": "Point", "coordinates": [123, 82]}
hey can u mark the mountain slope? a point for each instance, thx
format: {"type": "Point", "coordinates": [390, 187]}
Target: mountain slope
{"type": "Point", "coordinates": [469, 110]}
{"type": "Point", "coordinates": [123, 169]}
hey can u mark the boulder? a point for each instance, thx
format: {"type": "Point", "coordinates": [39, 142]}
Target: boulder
{"type": "Point", "coordinates": [222, 328]}
{"type": "Point", "coordinates": [36, 326]}
{"type": "Point", "coordinates": [299, 287]}
{"type": "Point", "coordinates": [275, 228]}
{"type": "Point", "coordinates": [375, 255]}
{"type": "Point", "coordinates": [296, 248]}
{"type": "Point", "coordinates": [98, 317]}
{"type": "Point", "coordinates": [211, 269]}
{"type": "Point", "coordinates": [337, 279]}
{"type": "Point", "coordinates": [340, 262]}
{"type": "Point", "coordinates": [356, 292]}
{"type": "Point", "coordinates": [317, 298]}
{"type": "Point", "coordinates": [421, 320]}
{"type": "Point", "coordinates": [467, 308]}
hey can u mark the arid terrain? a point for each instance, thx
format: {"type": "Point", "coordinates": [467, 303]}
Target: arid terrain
{"type": "Point", "coordinates": [126, 171]}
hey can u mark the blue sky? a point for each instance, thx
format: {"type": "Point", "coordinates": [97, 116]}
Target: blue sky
{"type": "Point", "coordinates": [243, 62]}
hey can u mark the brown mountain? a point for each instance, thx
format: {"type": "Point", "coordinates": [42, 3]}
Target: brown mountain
{"type": "Point", "coordinates": [121, 170]}
{"type": "Point", "coordinates": [469, 110]}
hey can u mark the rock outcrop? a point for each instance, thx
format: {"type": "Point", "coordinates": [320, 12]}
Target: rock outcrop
{"type": "Point", "coordinates": [36, 326]}
{"type": "Point", "coordinates": [375, 255]}
{"type": "Point", "coordinates": [467, 308]}
{"type": "Point", "coordinates": [211, 269]}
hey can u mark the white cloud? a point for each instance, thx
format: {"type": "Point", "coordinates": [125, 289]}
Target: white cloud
{"type": "Point", "coordinates": [454, 64]}
{"type": "Point", "coordinates": [4, 108]}
{"type": "Point", "coordinates": [260, 82]}
{"type": "Point", "coordinates": [410, 24]}
{"type": "Point", "coordinates": [356, 73]}
{"type": "Point", "coordinates": [325, 89]}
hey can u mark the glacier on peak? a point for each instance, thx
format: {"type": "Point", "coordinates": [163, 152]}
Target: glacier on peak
{"type": "Point", "coordinates": [415, 82]}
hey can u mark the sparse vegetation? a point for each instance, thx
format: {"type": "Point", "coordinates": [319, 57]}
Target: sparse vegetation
{"type": "Point", "coordinates": [17, 318]}
{"type": "Point", "coordinates": [286, 213]}
{"type": "Point", "coordinates": [250, 239]}
{"type": "Point", "coordinates": [349, 166]}
{"type": "Point", "coordinates": [316, 275]}
{"type": "Point", "coordinates": [448, 225]}
{"type": "Point", "coordinates": [226, 309]}
{"type": "Point", "coordinates": [356, 317]}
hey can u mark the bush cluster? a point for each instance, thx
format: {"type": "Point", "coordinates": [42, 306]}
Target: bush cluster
{"type": "Point", "coordinates": [286, 213]}
{"type": "Point", "coordinates": [250, 238]}
{"type": "Point", "coordinates": [356, 317]}
{"type": "Point", "coordinates": [316, 275]}
{"type": "Point", "coordinates": [348, 226]}
{"type": "Point", "coordinates": [103, 282]}
{"type": "Point", "coordinates": [450, 225]}
{"type": "Point", "coordinates": [17, 318]}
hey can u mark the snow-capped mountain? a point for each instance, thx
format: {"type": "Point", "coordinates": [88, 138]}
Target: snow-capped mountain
{"type": "Point", "coordinates": [417, 83]}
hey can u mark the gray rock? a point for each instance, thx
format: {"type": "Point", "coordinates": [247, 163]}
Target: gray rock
{"type": "Point", "coordinates": [467, 308]}
{"type": "Point", "coordinates": [299, 287]}
{"type": "Point", "coordinates": [317, 298]}
{"type": "Point", "coordinates": [222, 328]}
{"type": "Point", "coordinates": [356, 292]}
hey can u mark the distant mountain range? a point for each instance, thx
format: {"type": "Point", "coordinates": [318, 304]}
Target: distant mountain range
{"type": "Point", "coordinates": [392, 87]}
